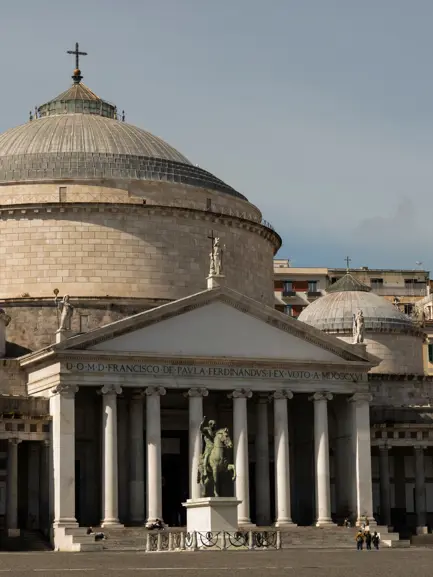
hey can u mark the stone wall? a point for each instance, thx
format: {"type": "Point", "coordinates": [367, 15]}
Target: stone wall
{"type": "Point", "coordinates": [399, 393]}
{"type": "Point", "coordinates": [34, 321]}
{"type": "Point", "coordinates": [400, 353]}
{"type": "Point", "coordinates": [129, 251]}
{"type": "Point", "coordinates": [12, 381]}
{"type": "Point", "coordinates": [124, 191]}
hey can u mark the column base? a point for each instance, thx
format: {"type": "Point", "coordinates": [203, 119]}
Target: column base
{"type": "Point", "coordinates": [245, 523]}
{"type": "Point", "coordinates": [284, 523]}
{"type": "Point", "coordinates": [371, 522]}
{"type": "Point", "coordinates": [66, 522]}
{"type": "Point", "coordinates": [326, 522]}
{"type": "Point", "coordinates": [14, 532]}
{"type": "Point", "coordinates": [423, 530]}
{"type": "Point", "coordinates": [112, 524]}
{"type": "Point", "coordinates": [152, 521]}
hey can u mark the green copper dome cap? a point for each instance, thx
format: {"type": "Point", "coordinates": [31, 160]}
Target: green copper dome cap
{"type": "Point", "coordinates": [78, 99]}
{"type": "Point", "coordinates": [348, 283]}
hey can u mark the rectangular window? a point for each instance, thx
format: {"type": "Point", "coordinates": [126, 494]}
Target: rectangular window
{"type": "Point", "coordinates": [430, 353]}
{"type": "Point", "coordinates": [312, 286]}
{"type": "Point", "coordinates": [408, 308]}
{"type": "Point", "coordinates": [408, 282]}
{"type": "Point", "coordinates": [62, 193]}
{"type": "Point", "coordinates": [376, 283]}
{"type": "Point", "coordinates": [288, 310]}
{"type": "Point", "coordinates": [287, 286]}
{"type": "Point", "coordinates": [208, 204]}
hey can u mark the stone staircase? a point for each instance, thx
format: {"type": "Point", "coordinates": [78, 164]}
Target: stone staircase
{"type": "Point", "coordinates": [135, 538]}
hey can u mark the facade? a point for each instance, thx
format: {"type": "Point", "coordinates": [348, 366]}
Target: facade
{"type": "Point", "coordinates": [296, 287]}
{"type": "Point", "coordinates": [401, 400]}
{"type": "Point", "coordinates": [101, 405]}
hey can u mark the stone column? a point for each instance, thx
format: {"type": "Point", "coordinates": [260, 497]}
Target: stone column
{"type": "Point", "coordinates": [283, 512]}
{"type": "Point", "coordinates": [62, 410]}
{"type": "Point", "coordinates": [12, 488]}
{"type": "Point", "coordinates": [263, 504]}
{"type": "Point", "coordinates": [137, 508]}
{"type": "Point", "coordinates": [385, 487]}
{"type": "Point", "coordinates": [362, 452]}
{"type": "Point", "coordinates": [110, 485]}
{"type": "Point", "coordinates": [240, 445]}
{"type": "Point", "coordinates": [33, 485]}
{"type": "Point", "coordinates": [195, 397]}
{"type": "Point", "coordinates": [44, 484]}
{"type": "Point", "coordinates": [321, 453]}
{"type": "Point", "coordinates": [420, 491]}
{"type": "Point", "coordinates": [153, 440]}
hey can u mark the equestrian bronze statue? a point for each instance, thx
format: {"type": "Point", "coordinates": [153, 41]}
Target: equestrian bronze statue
{"type": "Point", "coordinates": [213, 463]}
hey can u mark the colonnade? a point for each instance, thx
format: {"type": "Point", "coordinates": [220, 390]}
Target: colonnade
{"type": "Point", "coordinates": [420, 486]}
{"type": "Point", "coordinates": [62, 411]}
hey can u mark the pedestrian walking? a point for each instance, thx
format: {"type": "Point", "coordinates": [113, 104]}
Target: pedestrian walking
{"type": "Point", "coordinates": [368, 539]}
{"type": "Point", "coordinates": [376, 540]}
{"type": "Point", "coordinates": [359, 538]}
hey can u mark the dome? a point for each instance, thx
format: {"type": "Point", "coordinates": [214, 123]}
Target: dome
{"type": "Point", "coordinates": [390, 335]}
{"type": "Point", "coordinates": [77, 135]}
{"type": "Point", "coordinates": [334, 311]}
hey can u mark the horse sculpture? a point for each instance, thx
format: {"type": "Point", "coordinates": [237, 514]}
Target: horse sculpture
{"type": "Point", "coordinates": [217, 464]}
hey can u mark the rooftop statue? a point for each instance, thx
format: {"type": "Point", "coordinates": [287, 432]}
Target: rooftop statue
{"type": "Point", "coordinates": [213, 461]}
{"type": "Point", "coordinates": [358, 327]}
{"type": "Point", "coordinates": [66, 312]}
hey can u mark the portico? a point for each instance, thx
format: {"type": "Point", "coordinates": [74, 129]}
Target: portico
{"type": "Point", "coordinates": [127, 399]}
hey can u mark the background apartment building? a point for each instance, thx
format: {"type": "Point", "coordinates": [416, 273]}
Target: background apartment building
{"type": "Point", "coordinates": [296, 287]}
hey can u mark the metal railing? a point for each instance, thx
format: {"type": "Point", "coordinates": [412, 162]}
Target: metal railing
{"type": "Point", "coordinates": [213, 540]}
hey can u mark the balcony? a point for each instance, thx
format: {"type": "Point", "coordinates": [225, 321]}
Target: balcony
{"type": "Point", "coordinates": [314, 294]}
{"type": "Point", "coordinates": [400, 291]}
{"type": "Point", "coordinates": [289, 293]}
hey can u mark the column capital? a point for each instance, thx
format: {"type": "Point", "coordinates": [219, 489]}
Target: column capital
{"type": "Point", "coordinates": [196, 392]}
{"type": "Point", "coordinates": [241, 394]}
{"type": "Point", "coordinates": [155, 391]}
{"type": "Point", "coordinates": [321, 396]}
{"type": "Point", "coordinates": [46, 443]}
{"type": "Point", "coordinates": [361, 398]}
{"type": "Point", "coordinates": [282, 394]}
{"type": "Point", "coordinates": [111, 390]}
{"type": "Point", "coordinates": [14, 441]}
{"type": "Point", "coordinates": [67, 391]}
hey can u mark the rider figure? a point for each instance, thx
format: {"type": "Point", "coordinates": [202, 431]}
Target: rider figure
{"type": "Point", "coordinates": [208, 434]}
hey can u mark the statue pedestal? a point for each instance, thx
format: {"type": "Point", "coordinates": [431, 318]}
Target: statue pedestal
{"type": "Point", "coordinates": [62, 335]}
{"type": "Point", "coordinates": [211, 515]}
{"type": "Point", "coordinates": [215, 281]}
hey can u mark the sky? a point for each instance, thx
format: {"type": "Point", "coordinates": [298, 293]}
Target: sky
{"type": "Point", "coordinates": [319, 111]}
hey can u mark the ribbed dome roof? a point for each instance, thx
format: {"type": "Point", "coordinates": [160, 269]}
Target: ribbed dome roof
{"type": "Point", "coordinates": [79, 136]}
{"type": "Point", "coordinates": [334, 311]}
{"type": "Point", "coordinates": [85, 133]}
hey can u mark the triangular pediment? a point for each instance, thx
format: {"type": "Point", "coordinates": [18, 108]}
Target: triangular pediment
{"type": "Point", "coordinates": [216, 323]}
{"type": "Point", "coordinates": [218, 330]}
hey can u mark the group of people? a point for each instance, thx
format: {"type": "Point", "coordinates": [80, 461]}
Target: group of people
{"type": "Point", "coordinates": [364, 536]}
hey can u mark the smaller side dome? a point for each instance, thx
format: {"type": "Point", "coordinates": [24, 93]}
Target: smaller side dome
{"type": "Point", "coordinates": [389, 334]}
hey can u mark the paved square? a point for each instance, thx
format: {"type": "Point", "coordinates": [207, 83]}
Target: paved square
{"type": "Point", "coordinates": [399, 563]}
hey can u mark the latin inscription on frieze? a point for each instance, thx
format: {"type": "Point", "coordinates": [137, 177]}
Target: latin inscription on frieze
{"type": "Point", "coordinates": [173, 370]}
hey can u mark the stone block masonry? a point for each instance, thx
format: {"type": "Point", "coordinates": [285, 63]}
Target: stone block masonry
{"type": "Point", "coordinates": [129, 251]}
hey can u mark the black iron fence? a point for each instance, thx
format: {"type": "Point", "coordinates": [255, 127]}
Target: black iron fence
{"type": "Point", "coordinates": [213, 540]}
